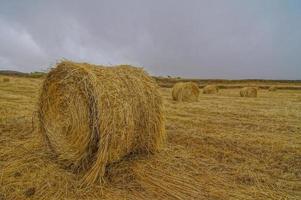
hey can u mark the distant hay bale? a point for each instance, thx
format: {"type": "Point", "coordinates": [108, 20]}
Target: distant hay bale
{"type": "Point", "coordinates": [5, 80]}
{"type": "Point", "coordinates": [272, 88]}
{"type": "Point", "coordinates": [91, 116]}
{"type": "Point", "coordinates": [248, 92]}
{"type": "Point", "coordinates": [210, 89]}
{"type": "Point", "coordinates": [187, 91]}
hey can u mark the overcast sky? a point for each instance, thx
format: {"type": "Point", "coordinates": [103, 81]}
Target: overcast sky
{"type": "Point", "coordinates": [189, 38]}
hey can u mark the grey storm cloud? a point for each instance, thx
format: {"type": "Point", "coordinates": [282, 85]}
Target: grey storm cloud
{"type": "Point", "coordinates": [193, 38]}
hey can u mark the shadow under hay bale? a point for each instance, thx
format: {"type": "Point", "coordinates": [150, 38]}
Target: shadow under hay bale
{"type": "Point", "coordinates": [91, 116]}
{"type": "Point", "coordinates": [248, 92]}
{"type": "Point", "coordinates": [210, 89]}
{"type": "Point", "coordinates": [188, 91]}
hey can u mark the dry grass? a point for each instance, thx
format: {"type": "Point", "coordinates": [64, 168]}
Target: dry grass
{"type": "Point", "coordinates": [272, 88]}
{"type": "Point", "coordinates": [188, 92]}
{"type": "Point", "coordinates": [221, 147]}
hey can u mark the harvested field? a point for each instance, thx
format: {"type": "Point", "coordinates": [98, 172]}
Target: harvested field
{"type": "Point", "coordinates": [272, 88]}
{"type": "Point", "coordinates": [221, 147]}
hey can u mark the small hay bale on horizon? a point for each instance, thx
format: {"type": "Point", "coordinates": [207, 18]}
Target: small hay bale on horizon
{"type": "Point", "coordinates": [6, 80]}
{"type": "Point", "coordinates": [91, 116]}
{"type": "Point", "coordinates": [248, 92]}
{"type": "Point", "coordinates": [185, 91]}
{"type": "Point", "coordinates": [210, 89]}
{"type": "Point", "coordinates": [273, 88]}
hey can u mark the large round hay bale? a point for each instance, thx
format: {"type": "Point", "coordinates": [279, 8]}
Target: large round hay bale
{"type": "Point", "coordinates": [272, 88]}
{"type": "Point", "coordinates": [91, 116]}
{"type": "Point", "coordinates": [210, 89]}
{"type": "Point", "coordinates": [187, 91]}
{"type": "Point", "coordinates": [5, 80]}
{"type": "Point", "coordinates": [248, 92]}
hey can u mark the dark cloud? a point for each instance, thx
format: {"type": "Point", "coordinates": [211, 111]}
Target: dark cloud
{"type": "Point", "coordinates": [194, 38]}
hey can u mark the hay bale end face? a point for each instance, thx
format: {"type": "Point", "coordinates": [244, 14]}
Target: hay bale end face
{"type": "Point", "coordinates": [187, 91]}
{"type": "Point", "coordinates": [210, 89]}
{"type": "Point", "coordinates": [91, 116]}
{"type": "Point", "coordinates": [248, 92]}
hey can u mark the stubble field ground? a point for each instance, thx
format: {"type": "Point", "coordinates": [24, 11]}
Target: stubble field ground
{"type": "Point", "coordinates": [221, 147]}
